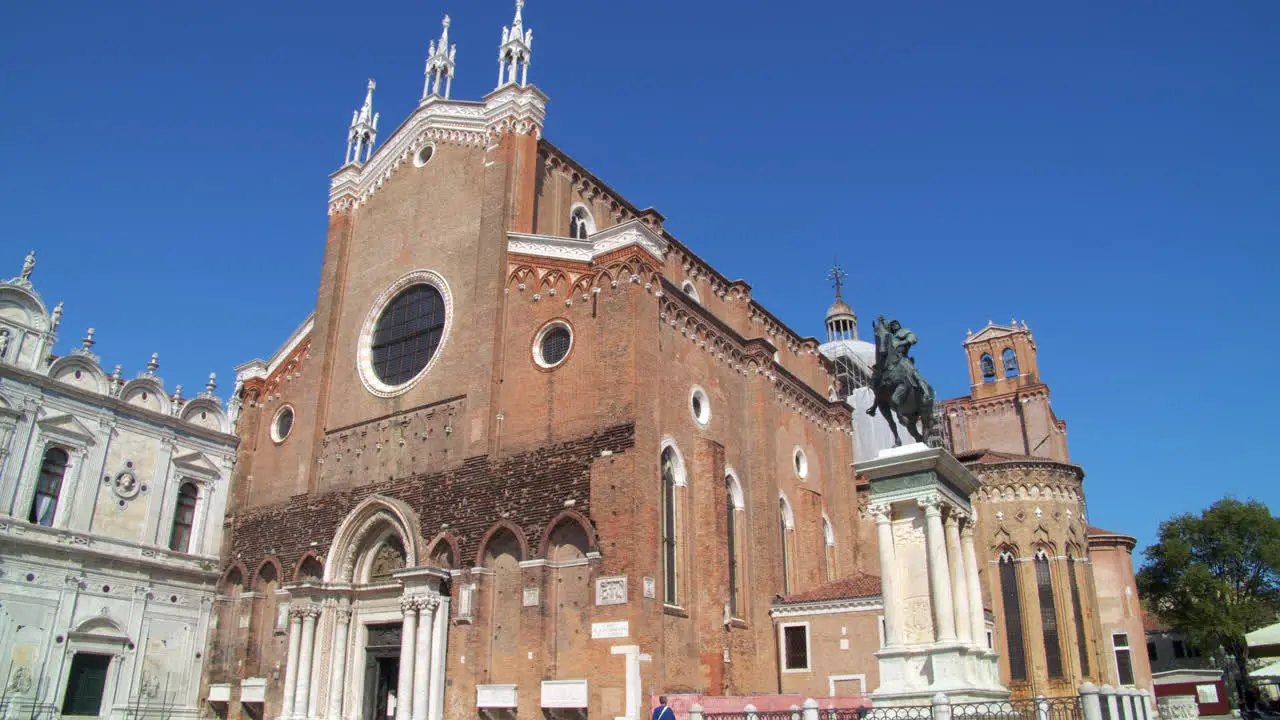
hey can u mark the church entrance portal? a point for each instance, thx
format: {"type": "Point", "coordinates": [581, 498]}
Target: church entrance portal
{"type": "Point", "coordinates": [382, 671]}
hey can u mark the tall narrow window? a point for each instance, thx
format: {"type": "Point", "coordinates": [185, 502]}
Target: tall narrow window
{"type": "Point", "coordinates": [44, 507]}
{"type": "Point", "coordinates": [828, 550]}
{"type": "Point", "coordinates": [85, 683]}
{"type": "Point", "coordinates": [1124, 661]}
{"type": "Point", "coordinates": [1048, 615]}
{"type": "Point", "coordinates": [784, 526]}
{"type": "Point", "coordinates": [1012, 618]}
{"type": "Point", "coordinates": [580, 225]}
{"type": "Point", "coordinates": [1010, 360]}
{"type": "Point", "coordinates": [1079, 615]}
{"type": "Point", "coordinates": [731, 536]}
{"type": "Point", "coordinates": [184, 516]}
{"type": "Point", "coordinates": [669, 526]}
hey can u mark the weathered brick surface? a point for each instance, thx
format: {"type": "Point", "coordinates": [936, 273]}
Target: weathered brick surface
{"type": "Point", "coordinates": [529, 490]}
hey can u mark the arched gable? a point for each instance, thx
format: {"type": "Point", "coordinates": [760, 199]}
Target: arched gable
{"type": "Point", "coordinates": [494, 530]}
{"type": "Point", "coordinates": [81, 372]}
{"type": "Point", "coordinates": [377, 513]}
{"type": "Point", "coordinates": [206, 413]}
{"type": "Point", "coordinates": [566, 516]}
{"type": "Point", "coordinates": [146, 392]}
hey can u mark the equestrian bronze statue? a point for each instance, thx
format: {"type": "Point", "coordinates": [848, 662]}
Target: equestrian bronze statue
{"type": "Point", "coordinates": [897, 384]}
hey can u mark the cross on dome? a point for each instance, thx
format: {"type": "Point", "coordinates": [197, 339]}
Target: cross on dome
{"type": "Point", "coordinates": [440, 64]}
{"type": "Point", "coordinates": [837, 276]}
{"type": "Point", "coordinates": [515, 51]}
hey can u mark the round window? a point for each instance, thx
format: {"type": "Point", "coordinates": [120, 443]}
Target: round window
{"type": "Point", "coordinates": [700, 406]}
{"type": "Point", "coordinates": [553, 343]}
{"type": "Point", "coordinates": [282, 424]}
{"type": "Point", "coordinates": [423, 156]}
{"type": "Point", "coordinates": [403, 333]}
{"type": "Point", "coordinates": [802, 464]}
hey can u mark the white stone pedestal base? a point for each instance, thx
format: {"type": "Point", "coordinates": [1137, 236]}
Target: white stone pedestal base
{"type": "Point", "coordinates": [913, 675]}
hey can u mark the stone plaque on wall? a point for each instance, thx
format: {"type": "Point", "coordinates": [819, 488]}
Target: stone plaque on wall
{"type": "Point", "coordinates": [650, 588]}
{"type": "Point", "coordinates": [564, 693]}
{"type": "Point", "coordinates": [611, 590]}
{"type": "Point", "coordinates": [605, 630]}
{"type": "Point", "coordinates": [530, 597]}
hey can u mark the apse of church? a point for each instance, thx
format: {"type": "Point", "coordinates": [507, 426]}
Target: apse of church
{"type": "Point", "coordinates": [528, 453]}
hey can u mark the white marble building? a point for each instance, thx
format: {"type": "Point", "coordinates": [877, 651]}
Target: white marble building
{"type": "Point", "coordinates": [112, 494]}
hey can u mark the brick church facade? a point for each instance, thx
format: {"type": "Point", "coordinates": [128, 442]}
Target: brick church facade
{"type": "Point", "coordinates": [530, 453]}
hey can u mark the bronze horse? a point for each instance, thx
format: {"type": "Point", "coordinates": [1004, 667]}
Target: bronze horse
{"type": "Point", "coordinates": [897, 384]}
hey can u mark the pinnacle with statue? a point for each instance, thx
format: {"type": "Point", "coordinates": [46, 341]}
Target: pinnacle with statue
{"type": "Point", "coordinates": [895, 380]}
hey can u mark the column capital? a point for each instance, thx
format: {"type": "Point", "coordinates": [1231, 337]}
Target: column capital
{"type": "Point", "coordinates": [305, 611]}
{"type": "Point", "coordinates": [881, 512]}
{"type": "Point", "coordinates": [342, 613]}
{"type": "Point", "coordinates": [932, 505]}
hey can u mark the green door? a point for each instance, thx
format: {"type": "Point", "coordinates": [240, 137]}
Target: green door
{"type": "Point", "coordinates": [85, 684]}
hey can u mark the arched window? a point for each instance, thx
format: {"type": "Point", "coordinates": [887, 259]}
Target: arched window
{"type": "Point", "coordinates": [44, 507]}
{"type": "Point", "coordinates": [1048, 615]}
{"type": "Point", "coordinates": [184, 516]}
{"type": "Point", "coordinates": [988, 369]}
{"type": "Point", "coordinates": [1012, 618]}
{"type": "Point", "coordinates": [1078, 611]}
{"type": "Point", "coordinates": [828, 550]}
{"type": "Point", "coordinates": [1010, 360]}
{"type": "Point", "coordinates": [732, 503]}
{"type": "Point", "coordinates": [580, 223]}
{"type": "Point", "coordinates": [669, 469]}
{"type": "Point", "coordinates": [786, 524]}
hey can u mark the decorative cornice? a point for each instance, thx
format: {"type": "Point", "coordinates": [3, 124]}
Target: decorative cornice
{"type": "Point", "coordinates": [827, 607]}
{"type": "Point", "coordinates": [263, 369]}
{"type": "Point", "coordinates": [632, 232]}
{"type": "Point", "coordinates": [511, 109]}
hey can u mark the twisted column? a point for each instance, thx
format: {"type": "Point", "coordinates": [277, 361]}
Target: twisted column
{"type": "Point", "coordinates": [422, 663]}
{"type": "Point", "coordinates": [939, 578]}
{"type": "Point", "coordinates": [883, 515]}
{"type": "Point", "coordinates": [404, 685]}
{"type": "Point", "coordinates": [338, 661]}
{"type": "Point", "coordinates": [959, 590]}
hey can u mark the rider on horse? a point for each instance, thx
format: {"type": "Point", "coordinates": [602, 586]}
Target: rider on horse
{"type": "Point", "coordinates": [897, 383]}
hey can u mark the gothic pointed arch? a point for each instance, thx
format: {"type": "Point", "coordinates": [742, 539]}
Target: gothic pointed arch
{"type": "Point", "coordinates": [566, 517]}
{"type": "Point", "coordinates": [272, 567]}
{"type": "Point", "coordinates": [308, 567]}
{"type": "Point", "coordinates": [443, 553]}
{"type": "Point", "coordinates": [497, 529]}
{"type": "Point", "coordinates": [235, 574]}
{"type": "Point", "coordinates": [373, 521]}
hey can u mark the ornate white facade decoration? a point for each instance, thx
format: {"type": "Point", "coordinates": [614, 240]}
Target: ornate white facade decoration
{"type": "Point", "coordinates": [364, 130]}
{"type": "Point", "coordinates": [632, 232]}
{"type": "Point", "coordinates": [364, 352]}
{"type": "Point", "coordinates": [440, 65]}
{"type": "Point", "coordinates": [516, 50]}
{"type": "Point", "coordinates": [111, 503]}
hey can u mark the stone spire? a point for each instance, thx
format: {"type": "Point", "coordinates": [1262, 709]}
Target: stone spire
{"type": "Point", "coordinates": [440, 65]}
{"type": "Point", "coordinates": [364, 130]}
{"type": "Point", "coordinates": [516, 50]}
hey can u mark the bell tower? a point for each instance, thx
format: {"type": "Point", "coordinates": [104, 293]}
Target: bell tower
{"type": "Point", "coordinates": [1002, 358]}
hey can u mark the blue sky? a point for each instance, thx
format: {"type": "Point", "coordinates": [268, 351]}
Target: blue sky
{"type": "Point", "coordinates": [1109, 172]}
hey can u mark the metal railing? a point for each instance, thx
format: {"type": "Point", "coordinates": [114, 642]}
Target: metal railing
{"type": "Point", "coordinates": [1059, 708]}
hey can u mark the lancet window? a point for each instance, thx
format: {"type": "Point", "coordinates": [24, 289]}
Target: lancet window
{"type": "Point", "coordinates": [1048, 615]}
{"type": "Point", "coordinates": [1012, 617]}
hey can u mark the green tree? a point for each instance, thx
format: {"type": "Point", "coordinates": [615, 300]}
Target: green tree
{"type": "Point", "coordinates": [1216, 576]}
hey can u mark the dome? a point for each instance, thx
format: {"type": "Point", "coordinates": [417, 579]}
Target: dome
{"type": "Point", "coordinates": [839, 308]}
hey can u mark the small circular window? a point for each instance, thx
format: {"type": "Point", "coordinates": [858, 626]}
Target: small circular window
{"type": "Point", "coordinates": [553, 343]}
{"type": "Point", "coordinates": [424, 155]}
{"type": "Point", "coordinates": [700, 406]}
{"type": "Point", "coordinates": [282, 424]}
{"type": "Point", "coordinates": [802, 464]}
{"type": "Point", "coordinates": [404, 331]}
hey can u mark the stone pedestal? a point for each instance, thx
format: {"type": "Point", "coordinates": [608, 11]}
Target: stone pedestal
{"type": "Point", "coordinates": [920, 501]}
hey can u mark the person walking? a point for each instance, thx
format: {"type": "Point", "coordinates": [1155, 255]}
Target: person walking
{"type": "Point", "coordinates": [663, 711]}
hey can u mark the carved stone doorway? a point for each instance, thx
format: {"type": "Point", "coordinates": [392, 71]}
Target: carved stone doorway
{"type": "Point", "coordinates": [382, 671]}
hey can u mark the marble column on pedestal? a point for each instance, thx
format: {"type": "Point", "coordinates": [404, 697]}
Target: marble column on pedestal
{"type": "Point", "coordinates": [939, 578]}
{"type": "Point", "coordinates": [977, 618]}
{"type": "Point", "coordinates": [408, 632]}
{"type": "Point", "coordinates": [291, 664]}
{"type": "Point", "coordinates": [883, 514]}
{"type": "Point", "coordinates": [959, 589]}
{"type": "Point", "coordinates": [338, 661]}
{"type": "Point", "coordinates": [422, 659]}
{"type": "Point", "coordinates": [302, 697]}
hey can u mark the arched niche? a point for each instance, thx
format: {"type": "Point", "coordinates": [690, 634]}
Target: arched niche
{"type": "Point", "coordinates": [377, 522]}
